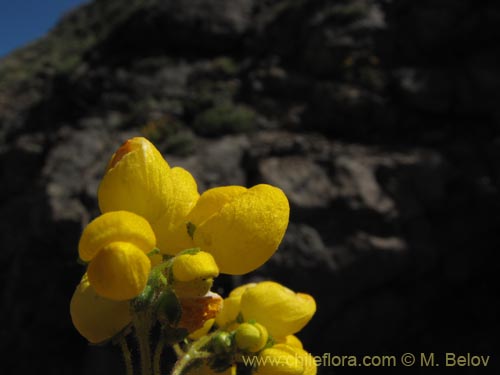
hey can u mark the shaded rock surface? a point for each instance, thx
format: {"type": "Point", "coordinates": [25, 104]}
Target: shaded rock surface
{"type": "Point", "coordinates": [379, 120]}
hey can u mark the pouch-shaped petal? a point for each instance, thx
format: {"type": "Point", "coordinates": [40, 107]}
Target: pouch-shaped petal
{"type": "Point", "coordinates": [282, 311]}
{"type": "Point", "coordinates": [212, 201]}
{"type": "Point", "coordinates": [246, 231]}
{"type": "Point", "coordinates": [290, 340]}
{"type": "Point", "coordinates": [115, 226]}
{"type": "Point", "coordinates": [95, 317]}
{"type": "Point", "coordinates": [119, 271]}
{"type": "Point", "coordinates": [196, 265]}
{"type": "Point", "coordinates": [283, 359]}
{"type": "Point", "coordinates": [171, 231]}
{"type": "Point", "coordinates": [193, 273]}
{"type": "Point", "coordinates": [137, 180]}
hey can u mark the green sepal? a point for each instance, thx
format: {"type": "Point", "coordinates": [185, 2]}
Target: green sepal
{"type": "Point", "coordinates": [157, 277]}
{"type": "Point", "coordinates": [191, 251]}
{"type": "Point", "coordinates": [143, 300]}
{"type": "Point", "coordinates": [240, 319]}
{"type": "Point", "coordinates": [270, 342]}
{"type": "Point", "coordinates": [168, 308]}
{"type": "Point", "coordinates": [191, 228]}
{"type": "Point", "coordinates": [153, 252]}
{"type": "Point", "coordinates": [222, 342]}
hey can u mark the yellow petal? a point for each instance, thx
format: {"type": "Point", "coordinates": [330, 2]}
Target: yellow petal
{"type": "Point", "coordinates": [246, 231]}
{"type": "Point", "coordinates": [95, 317]}
{"type": "Point", "coordinates": [238, 291]}
{"type": "Point", "coordinates": [211, 202]}
{"type": "Point", "coordinates": [119, 271]}
{"type": "Point", "coordinates": [282, 311]}
{"type": "Point", "coordinates": [193, 274]}
{"type": "Point", "coordinates": [283, 359]}
{"type": "Point", "coordinates": [192, 266]}
{"type": "Point", "coordinates": [137, 180]}
{"type": "Point", "coordinates": [290, 340]}
{"type": "Point", "coordinates": [115, 226]}
{"type": "Point", "coordinates": [231, 307]}
{"type": "Point", "coordinates": [203, 330]}
{"type": "Point", "coordinates": [170, 229]}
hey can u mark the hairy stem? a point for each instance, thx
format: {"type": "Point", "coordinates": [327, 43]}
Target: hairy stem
{"type": "Point", "coordinates": [142, 324]}
{"type": "Point", "coordinates": [157, 357]}
{"type": "Point", "coordinates": [129, 369]}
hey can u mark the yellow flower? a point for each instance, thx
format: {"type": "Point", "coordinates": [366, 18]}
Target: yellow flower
{"type": "Point", "coordinates": [290, 340]}
{"type": "Point", "coordinates": [95, 317]}
{"type": "Point", "coordinates": [240, 227]}
{"type": "Point", "coordinates": [193, 273]}
{"type": "Point", "coordinates": [282, 311]}
{"type": "Point", "coordinates": [251, 337]}
{"type": "Point", "coordinates": [139, 180]}
{"type": "Point", "coordinates": [231, 307]}
{"type": "Point", "coordinates": [136, 180]}
{"type": "Point", "coordinates": [282, 359]}
{"type": "Point", "coordinates": [116, 244]}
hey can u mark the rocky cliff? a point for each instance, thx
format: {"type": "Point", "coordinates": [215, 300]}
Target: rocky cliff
{"type": "Point", "coordinates": [378, 118]}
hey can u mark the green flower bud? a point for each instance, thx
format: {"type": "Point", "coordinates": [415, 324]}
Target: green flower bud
{"type": "Point", "coordinates": [251, 337]}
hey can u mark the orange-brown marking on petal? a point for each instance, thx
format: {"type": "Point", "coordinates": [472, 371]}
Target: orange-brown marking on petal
{"type": "Point", "coordinates": [196, 311]}
{"type": "Point", "coordinates": [124, 149]}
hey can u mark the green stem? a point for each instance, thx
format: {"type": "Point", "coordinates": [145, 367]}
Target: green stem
{"type": "Point", "coordinates": [178, 350]}
{"type": "Point", "coordinates": [157, 357]}
{"type": "Point", "coordinates": [142, 324]}
{"type": "Point", "coordinates": [195, 353]}
{"type": "Point", "coordinates": [129, 369]}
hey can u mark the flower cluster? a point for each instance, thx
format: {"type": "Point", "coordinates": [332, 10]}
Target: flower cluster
{"type": "Point", "coordinates": [152, 256]}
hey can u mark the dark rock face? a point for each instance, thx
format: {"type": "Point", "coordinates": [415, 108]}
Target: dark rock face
{"type": "Point", "coordinates": [379, 120]}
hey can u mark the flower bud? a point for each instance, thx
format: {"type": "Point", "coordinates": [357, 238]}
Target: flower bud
{"type": "Point", "coordinates": [251, 337]}
{"type": "Point", "coordinates": [282, 311]}
{"type": "Point", "coordinates": [193, 273]}
{"type": "Point", "coordinates": [95, 317]}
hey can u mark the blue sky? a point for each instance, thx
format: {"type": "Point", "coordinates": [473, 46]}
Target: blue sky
{"type": "Point", "coordinates": [22, 21]}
